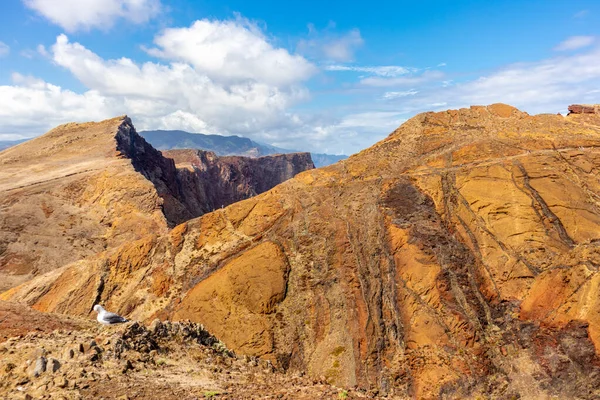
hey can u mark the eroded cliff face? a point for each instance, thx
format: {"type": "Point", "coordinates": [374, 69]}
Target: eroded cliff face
{"type": "Point", "coordinates": [457, 258]}
{"type": "Point", "coordinates": [83, 189]}
{"type": "Point", "coordinates": [215, 182]}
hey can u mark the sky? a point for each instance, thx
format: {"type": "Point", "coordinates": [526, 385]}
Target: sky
{"type": "Point", "coordinates": [322, 76]}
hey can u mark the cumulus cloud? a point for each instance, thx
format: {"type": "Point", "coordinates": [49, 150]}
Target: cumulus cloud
{"type": "Point", "coordinates": [227, 103]}
{"type": "Point", "coordinates": [185, 91]}
{"type": "Point", "coordinates": [74, 15]}
{"type": "Point", "coordinates": [32, 106]}
{"type": "Point", "coordinates": [329, 45]}
{"type": "Point", "coordinates": [231, 51]}
{"type": "Point", "coordinates": [575, 42]}
{"type": "Point", "coordinates": [4, 49]}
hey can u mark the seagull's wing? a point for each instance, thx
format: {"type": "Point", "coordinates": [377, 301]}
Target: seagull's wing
{"type": "Point", "coordinates": [113, 318]}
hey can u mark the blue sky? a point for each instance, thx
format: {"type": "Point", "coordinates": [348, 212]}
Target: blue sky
{"type": "Point", "coordinates": [327, 76]}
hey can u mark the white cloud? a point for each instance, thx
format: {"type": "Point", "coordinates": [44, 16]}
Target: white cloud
{"type": "Point", "coordinates": [539, 86]}
{"type": "Point", "coordinates": [74, 15]}
{"type": "Point", "coordinates": [548, 85]}
{"type": "Point", "coordinates": [330, 46]}
{"type": "Point", "coordinates": [384, 70]}
{"type": "Point", "coordinates": [4, 49]}
{"type": "Point", "coordinates": [575, 42]}
{"type": "Point", "coordinates": [41, 49]}
{"type": "Point", "coordinates": [33, 106]}
{"type": "Point", "coordinates": [395, 95]}
{"type": "Point", "coordinates": [231, 51]}
{"type": "Point", "coordinates": [185, 93]}
{"type": "Point", "coordinates": [153, 90]}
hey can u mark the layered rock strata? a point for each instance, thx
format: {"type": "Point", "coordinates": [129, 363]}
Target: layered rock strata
{"type": "Point", "coordinates": [215, 182]}
{"type": "Point", "coordinates": [457, 258]}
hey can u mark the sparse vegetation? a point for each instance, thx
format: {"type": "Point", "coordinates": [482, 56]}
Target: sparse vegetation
{"type": "Point", "coordinates": [160, 362]}
{"type": "Point", "coordinates": [211, 394]}
{"type": "Point", "coordinates": [343, 395]}
{"type": "Point", "coordinates": [338, 350]}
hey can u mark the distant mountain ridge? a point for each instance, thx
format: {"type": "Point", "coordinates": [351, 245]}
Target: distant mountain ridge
{"type": "Point", "coordinates": [5, 144]}
{"type": "Point", "coordinates": [225, 145]}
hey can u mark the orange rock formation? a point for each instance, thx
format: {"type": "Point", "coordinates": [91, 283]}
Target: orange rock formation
{"type": "Point", "coordinates": [458, 257]}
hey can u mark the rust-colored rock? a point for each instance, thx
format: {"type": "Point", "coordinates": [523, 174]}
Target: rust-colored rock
{"type": "Point", "coordinates": [18, 320]}
{"type": "Point", "coordinates": [237, 302]}
{"type": "Point", "coordinates": [456, 258]}
{"type": "Point", "coordinates": [584, 109]}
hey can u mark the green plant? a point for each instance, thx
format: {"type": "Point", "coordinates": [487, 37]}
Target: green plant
{"type": "Point", "coordinates": [160, 362]}
{"type": "Point", "coordinates": [338, 350]}
{"type": "Point", "coordinates": [343, 395]}
{"type": "Point", "coordinates": [210, 394]}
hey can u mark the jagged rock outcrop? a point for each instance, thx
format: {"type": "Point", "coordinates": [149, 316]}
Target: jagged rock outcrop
{"type": "Point", "coordinates": [162, 361]}
{"type": "Point", "coordinates": [82, 189]}
{"type": "Point", "coordinates": [457, 258]}
{"type": "Point", "coordinates": [220, 181]}
{"type": "Point", "coordinates": [584, 109]}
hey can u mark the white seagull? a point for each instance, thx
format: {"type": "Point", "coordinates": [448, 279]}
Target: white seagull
{"type": "Point", "coordinates": [106, 317]}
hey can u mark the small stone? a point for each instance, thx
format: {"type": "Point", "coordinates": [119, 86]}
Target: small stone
{"type": "Point", "coordinates": [81, 348]}
{"type": "Point", "coordinates": [70, 353]}
{"type": "Point", "coordinates": [128, 366]}
{"type": "Point", "coordinates": [53, 365]}
{"type": "Point", "coordinates": [40, 366]}
{"type": "Point", "coordinates": [155, 325]}
{"type": "Point", "coordinates": [23, 381]}
{"type": "Point", "coordinates": [9, 367]}
{"type": "Point", "coordinates": [61, 382]}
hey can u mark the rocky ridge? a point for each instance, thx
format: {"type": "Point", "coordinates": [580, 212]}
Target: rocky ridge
{"type": "Point", "coordinates": [82, 189]}
{"type": "Point", "coordinates": [161, 361]}
{"type": "Point", "coordinates": [457, 258]}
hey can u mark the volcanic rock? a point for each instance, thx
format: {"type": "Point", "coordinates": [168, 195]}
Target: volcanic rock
{"type": "Point", "coordinates": [82, 189]}
{"type": "Point", "coordinates": [456, 258]}
{"type": "Point", "coordinates": [220, 181]}
{"type": "Point", "coordinates": [584, 109]}
{"type": "Point", "coordinates": [40, 366]}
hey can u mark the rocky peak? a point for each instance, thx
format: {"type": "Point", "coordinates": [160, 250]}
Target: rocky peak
{"type": "Point", "coordinates": [86, 187]}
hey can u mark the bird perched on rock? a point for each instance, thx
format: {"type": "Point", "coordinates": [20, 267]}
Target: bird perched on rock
{"type": "Point", "coordinates": [106, 317]}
